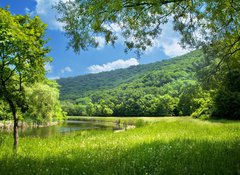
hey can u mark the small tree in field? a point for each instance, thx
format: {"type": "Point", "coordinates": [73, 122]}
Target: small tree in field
{"type": "Point", "coordinates": [22, 60]}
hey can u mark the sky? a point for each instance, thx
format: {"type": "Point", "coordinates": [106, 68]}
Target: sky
{"type": "Point", "coordinates": [66, 63]}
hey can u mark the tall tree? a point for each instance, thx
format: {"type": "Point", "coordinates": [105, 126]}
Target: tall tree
{"type": "Point", "coordinates": [22, 59]}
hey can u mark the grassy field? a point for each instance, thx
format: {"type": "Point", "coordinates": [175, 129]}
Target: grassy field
{"type": "Point", "coordinates": [160, 146]}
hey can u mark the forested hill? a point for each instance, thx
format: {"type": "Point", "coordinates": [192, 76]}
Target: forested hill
{"type": "Point", "coordinates": [163, 88]}
{"type": "Point", "coordinates": [155, 74]}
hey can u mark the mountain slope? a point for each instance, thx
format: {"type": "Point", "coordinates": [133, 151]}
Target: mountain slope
{"type": "Point", "coordinates": [150, 75]}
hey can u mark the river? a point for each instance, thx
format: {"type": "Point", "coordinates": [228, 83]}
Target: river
{"type": "Point", "coordinates": [66, 127]}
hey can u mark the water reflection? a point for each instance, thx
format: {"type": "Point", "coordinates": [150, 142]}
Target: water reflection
{"type": "Point", "coordinates": [66, 127]}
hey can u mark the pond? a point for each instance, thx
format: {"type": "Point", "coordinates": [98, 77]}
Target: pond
{"type": "Point", "coordinates": [66, 127]}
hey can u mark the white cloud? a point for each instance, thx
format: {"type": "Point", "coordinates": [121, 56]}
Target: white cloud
{"type": "Point", "coordinates": [48, 67]}
{"type": "Point", "coordinates": [168, 42]}
{"type": "Point", "coordinates": [172, 48]}
{"type": "Point", "coordinates": [27, 10]}
{"type": "Point", "coordinates": [118, 64]}
{"type": "Point", "coordinates": [66, 69]}
{"type": "Point", "coordinates": [116, 29]}
{"type": "Point", "coordinates": [101, 42]}
{"type": "Point", "coordinates": [47, 13]}
{"type": "Point", "coordinates": [53, 78]}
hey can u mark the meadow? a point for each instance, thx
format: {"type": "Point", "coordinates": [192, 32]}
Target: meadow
{"type": "Point", "coordinates": [158, 146]}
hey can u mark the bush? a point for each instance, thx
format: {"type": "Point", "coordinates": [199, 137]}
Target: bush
{"type": "Point", "coordinates": [139, 123]}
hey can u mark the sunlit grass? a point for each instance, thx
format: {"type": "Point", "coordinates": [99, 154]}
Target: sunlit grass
{"type": "Point", "coordinates": [162, 146]}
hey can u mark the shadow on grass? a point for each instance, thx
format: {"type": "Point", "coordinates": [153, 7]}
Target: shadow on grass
{"type": "Point", "coordinates": [180, 156]}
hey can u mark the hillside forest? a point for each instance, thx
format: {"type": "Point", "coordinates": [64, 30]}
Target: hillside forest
{"type": "Point", "coordinates": [180, 86]}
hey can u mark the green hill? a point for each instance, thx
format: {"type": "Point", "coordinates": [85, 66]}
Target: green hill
{"type": "Point", "coordinates": [152, 89]}
{"type": "Point", "coordinates": [148, 74]}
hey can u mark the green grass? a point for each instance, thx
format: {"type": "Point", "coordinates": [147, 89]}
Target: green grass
{"type": "Point", "coordinates": [163, 146]}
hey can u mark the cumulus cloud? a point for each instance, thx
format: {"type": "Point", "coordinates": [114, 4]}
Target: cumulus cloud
{"type": "Point", "coordinates": [172, 48]}
{"type": "Point", "coordinates": [168, 42]}
{"type": "Point", "coordinates": [48, 67]}
{"type": "Point", "coordinates": [47, 13]}
{"type": "Point", "coordinates": [53, 78]}
{"type": "Point", "coordinates": [66, 69]}
{"type": "Point", "coordinates": [101, 42]}
{"type": "Point", "coordinates": [118, 64]}
{"type": "Point", "coordinates": [116, 29]}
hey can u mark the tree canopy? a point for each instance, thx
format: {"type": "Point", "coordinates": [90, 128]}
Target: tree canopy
{"type": "Point", "coordinates": [201, 22]}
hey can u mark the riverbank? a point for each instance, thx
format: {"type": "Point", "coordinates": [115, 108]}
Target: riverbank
{"type": "Point", "coordinates": [8, 125]}
{"type": "Point", "coordinates": [130, 121]}
{"type": "Point", "coordinates": [164, 146]}
{"type": "Point", "coordinates": [123, 123]}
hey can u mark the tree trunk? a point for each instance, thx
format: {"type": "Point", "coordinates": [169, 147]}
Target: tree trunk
{"type": "Point", "coordinates": [15, 122]}
{"type": "Point", "coordinates": [14, 113]}
{"type": "Point", "coordinates": [15, 125]}
{"type": "Point", "coordinates": [15, 131]}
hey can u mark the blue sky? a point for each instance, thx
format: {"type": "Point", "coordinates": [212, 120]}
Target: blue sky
{"type": "Point", "coordinates": [104, 58]}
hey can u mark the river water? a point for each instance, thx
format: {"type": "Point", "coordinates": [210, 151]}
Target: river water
{"type": "Point", "coordinates": [66, 127]}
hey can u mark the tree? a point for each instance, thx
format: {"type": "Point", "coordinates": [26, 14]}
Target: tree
{"type": "Point", "coordinates": [188, 102]}
{"type": "Point", "coordinates": [43, 103]}
{"type": "Point", "coordinates": [90, 110]}
{"type": "Point", "coordinates": [22, 60]}
{"type": "Point", "coordinates": [165, 106]}
{"type": "Point", "coordinates": [227, 99]}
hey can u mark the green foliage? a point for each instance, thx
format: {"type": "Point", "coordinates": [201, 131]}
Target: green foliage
{"type": "Point", "coordinates": [2, 139]}
{"type": "Point", "coordinates": [43, 103]}
{"type": "Point", "coordinates": [222, 83]}
{"type": "Point", "coordinates": [5, 113]}
{"type": "Point", "coordinates": [166, 146]}
{"type": "Point", "coordinates": [180, 86]}
{"type": "Point", "coordinates": [157, 89]}
{"type": "Point", "coordinates": [201, 22]}
{"type": "Point", "coordinates": [191, 99]}
{"type": "Point", "coordinates": [74, 109]}
{"type": "Point", "coordinates": [227, 99]}
{"type": "Point", "coordinates": [139, 123]}
{"type": "Point", "coordinates": [22, 44]}
{"type": "Point", "coordinates": [22, 58]}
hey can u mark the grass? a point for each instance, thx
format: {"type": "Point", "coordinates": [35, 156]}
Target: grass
{"type": "Point", "coordinates": [162, 146]}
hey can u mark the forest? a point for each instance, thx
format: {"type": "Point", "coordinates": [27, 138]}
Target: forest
{"type": "Point", "coordinates": [168, 88]}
